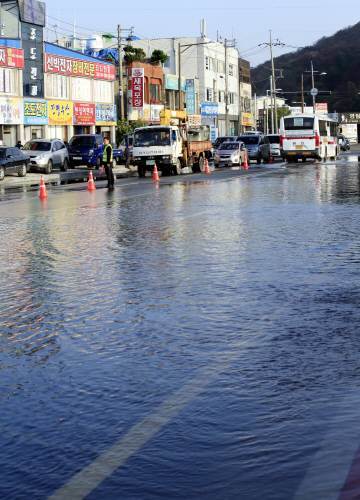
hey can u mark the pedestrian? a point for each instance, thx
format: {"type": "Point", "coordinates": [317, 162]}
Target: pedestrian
{"type": "Point", "coordinates": [19, 145]}
{"type": "Point", "coordinates": [108, 163]}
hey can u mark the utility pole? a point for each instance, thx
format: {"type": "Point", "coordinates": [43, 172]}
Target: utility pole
{"type": "Point", "coordinates": [302, 94]}
{"type": "Point", "coordinates": [313, 86]}
{"type": "Point", "coordinates": [273, 84]}
{"type": "Point", "coordinates": [121, 81]}
{"type": "Point", "coordinates": [271, 44]}
{"type": "Point", "coordinates": [181, 101]}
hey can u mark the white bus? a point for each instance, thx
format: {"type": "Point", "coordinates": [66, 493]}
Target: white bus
{"type": "Point", "coordinates": [309, 136]}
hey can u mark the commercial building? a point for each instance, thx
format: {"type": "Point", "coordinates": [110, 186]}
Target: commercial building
{"type": "Point", "coordinates": [46, 90]}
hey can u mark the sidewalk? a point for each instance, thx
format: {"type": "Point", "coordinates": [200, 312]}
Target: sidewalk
{"type": "Point", "coordinates": [57, 178]}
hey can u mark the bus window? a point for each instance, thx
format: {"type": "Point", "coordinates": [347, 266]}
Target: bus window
{"type": "Point", "coordinates": [299, 123]}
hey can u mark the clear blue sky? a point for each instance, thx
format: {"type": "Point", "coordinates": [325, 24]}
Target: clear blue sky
{"type": "Point", "coordinates": [294, 22]}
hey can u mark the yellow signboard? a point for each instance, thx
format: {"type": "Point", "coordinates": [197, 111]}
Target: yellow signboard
{"type": "Point", "coordinates": [247, 120]}
{"type": "Point", "coordinates": [61, 112]}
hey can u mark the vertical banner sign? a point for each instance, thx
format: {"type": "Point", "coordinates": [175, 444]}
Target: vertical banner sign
{"type": "Point", "coordinates": [137, 87]}
{"type": "Point", "coordinates": [32, 40]}
{"type": "Point", "coordinates": [190, 97]}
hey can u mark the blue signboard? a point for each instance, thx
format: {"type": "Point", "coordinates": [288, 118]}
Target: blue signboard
{"type": "Point", "coordinates": [190, 97]}
{"type": "Point", "coordinates": [35, 112]}
{"type": "Point", "coordinates": [172, 83]}
{"type": "Point", "coordinates": [209, 109]}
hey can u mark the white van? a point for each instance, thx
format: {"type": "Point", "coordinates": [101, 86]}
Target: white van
{"type": "Point", "coordinates": [308, 136]}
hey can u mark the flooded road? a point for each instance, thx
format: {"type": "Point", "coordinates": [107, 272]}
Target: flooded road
{"type": "Point", "coordinates": [200, 340]}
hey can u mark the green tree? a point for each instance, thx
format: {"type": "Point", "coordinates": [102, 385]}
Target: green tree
{"type": "Point", "coordinates": [133, 54]}
{"type": "Point", "coordinates": [159, 56]}
{"type": "Point", "coordinates": [124, 128]}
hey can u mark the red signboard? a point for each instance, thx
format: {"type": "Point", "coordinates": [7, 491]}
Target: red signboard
{"type": "Point", "coordinates": [68, 66]}
{"type": "Point", "coordinates": [84, 113]}
{"type": "Point", "coordinates": [137, 87]}
{"type": "Point", "coordinates": [11, 58]}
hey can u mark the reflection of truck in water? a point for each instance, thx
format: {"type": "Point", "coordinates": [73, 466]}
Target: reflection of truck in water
{"type": "Point", "coordinates": [173, 148]}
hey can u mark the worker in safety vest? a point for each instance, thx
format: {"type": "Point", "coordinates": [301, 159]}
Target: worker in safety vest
{"type": "Point", "coordinates": [107, 161]}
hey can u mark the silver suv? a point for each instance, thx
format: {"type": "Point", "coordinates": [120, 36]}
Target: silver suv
{"type": "Point", "coordinates": [258, 147]}
{"type": "Point", "coordinates": [47, 154]}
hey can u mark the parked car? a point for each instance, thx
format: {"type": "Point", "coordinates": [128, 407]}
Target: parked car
{"type": "Point", "coordinates": [258, 147]}
{"type": "Point", "coordinates": [344, 143]}
{"type": "Point", "coordinates": [13, 161]}
{"type": "Point", "coordinates": [225, 138]}
{"type": "Point", "coordinates": [86, 149]}
{"type": "Point", "coordinates": [230, 154]}
{"type": "Point", "coordinates": [275, 146]}
{"type": "Point", "coordinates": [45, 155]}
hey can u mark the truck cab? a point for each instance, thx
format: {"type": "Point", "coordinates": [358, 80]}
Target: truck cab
{"type": "Point", "coordinates": [162, 145]}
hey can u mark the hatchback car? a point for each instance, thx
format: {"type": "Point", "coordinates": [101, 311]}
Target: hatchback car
{"type": "Point", "coordinates": [46, 154]}
{"type": "Point", "coordinates": [258, 147]}
{"type": "Point", "coordinates": [13, 161]}
{"type": "Point", "coordinates": [275, 146]}
{"type": "Point", "coordinates": [230, 154]}
{"type": "Point", "coordinates": [224, 138]}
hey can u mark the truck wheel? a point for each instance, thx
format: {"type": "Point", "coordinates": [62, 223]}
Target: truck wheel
{"type": "Point", "coordinates": [177, 169]}
{"type": "Point", "coordinates": [201, 164]}
{"type": "Point", "coordinates": [141, 171]}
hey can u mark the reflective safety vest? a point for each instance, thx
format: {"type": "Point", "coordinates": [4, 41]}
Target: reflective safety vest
{"type": "Point", "coordinates": [105, 154]}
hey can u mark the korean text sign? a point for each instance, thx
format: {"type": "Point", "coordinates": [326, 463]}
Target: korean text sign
{"type": "Point", "coordinates": [137, 87]}
{"type": "Point", "coordinates": [61, 112]}
{"type": "Point", "coordinates": [69, 66]}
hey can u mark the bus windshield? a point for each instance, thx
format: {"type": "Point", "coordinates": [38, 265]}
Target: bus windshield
{"type": "Point", "coordinates": [152, 137]}
{"type": "Point", "coordinates": [299, 123]}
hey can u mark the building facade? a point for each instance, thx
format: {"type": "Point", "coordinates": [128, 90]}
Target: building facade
{"type": "Point", "coordinates": [47, 91]}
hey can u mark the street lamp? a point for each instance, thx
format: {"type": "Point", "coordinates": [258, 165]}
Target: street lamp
{"type": "Point", "coordinates": [313, 90]}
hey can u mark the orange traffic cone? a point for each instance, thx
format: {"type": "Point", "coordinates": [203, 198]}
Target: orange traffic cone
{"type": "Point", "coordinates": [42, 192]}
{"type": "Point", "coordinates": [207, 170]}
{"type": "Point", "coordinates": [155, 175]}
{"type": "Point", "coordinates": [246, 162]}
{"type": "Point", "coordinates": [91, 183]}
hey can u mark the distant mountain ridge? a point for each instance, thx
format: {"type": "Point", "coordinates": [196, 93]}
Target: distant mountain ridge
{"type": "Point", "coordinates": [338, 55]}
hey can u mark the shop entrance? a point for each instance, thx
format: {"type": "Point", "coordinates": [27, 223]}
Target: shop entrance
{"type": "Point", "coordinates": [78, 130]}
{"type": "Point", "coordinates": [8, 135]}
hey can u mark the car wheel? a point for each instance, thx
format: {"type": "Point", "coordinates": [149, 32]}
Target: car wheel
{"type": "Point", "coordinates": [65, 166]}
{"type": "Point", "coordinates": [2, 173]}
{"type": "Point", "coordinates": [141, 171]}
{"type": "Point", "coordinates": [49, 167]}
{"type": "Point", "coordinates": [22, 170]}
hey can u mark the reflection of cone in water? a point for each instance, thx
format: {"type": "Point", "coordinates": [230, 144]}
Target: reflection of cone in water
{"type": "Point", "coordinates": [155, 176]}
{"type": "Point", "coordinates": [91, 183]}
{"type": "Point", "coordinates": [207, 170]}
{"type": "Point", "coordinates": [42, 193]}
{"type": "Point", "coordinates": [246, 162]}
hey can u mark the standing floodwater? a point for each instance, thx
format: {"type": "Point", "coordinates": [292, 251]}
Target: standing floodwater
{"type": "Point", "coordinates": [220, 315]}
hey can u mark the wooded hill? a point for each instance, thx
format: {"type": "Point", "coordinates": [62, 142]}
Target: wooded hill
{"type": "Point", "coordinates": [338, 56]}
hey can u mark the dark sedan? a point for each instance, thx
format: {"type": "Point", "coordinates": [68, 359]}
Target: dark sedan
{"type": "Point", "coordinates": [13, 161]}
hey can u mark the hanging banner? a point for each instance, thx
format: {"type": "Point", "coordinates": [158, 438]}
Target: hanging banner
{"type": "Point", "coordinates": [106, 114]}
{"type": "Point", "coordinates": [84, 113]}
{"type": "Point", "coordinates": [35, 112]}
{"type": "Point", "coordinates": [190, 97]}
{"type": "Point", "coordinates": [11, 111]}
{"type": "Point", "coordinates": [137, 87]}
{"type": "Point", "coordinates": [61, 112]}
{"type": "Point", "coordinates": [69, 66]}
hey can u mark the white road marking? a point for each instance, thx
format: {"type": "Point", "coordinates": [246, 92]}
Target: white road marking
{"type": "Point", "coordinates": [89, 478]}
{"type": "Point", "coordinates": [331, 464]}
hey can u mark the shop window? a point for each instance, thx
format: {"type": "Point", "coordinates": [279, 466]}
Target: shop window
{"type": "Point", "coordinates": [104, 91]}
{"type": "Point", "coordinates": [57, 86]}
{"type": "Point", "coordinates": [154, 92]}
{"type": "Point", "coordinates": [8, 81]}
{"type": "Point", "coordinates": [209, 95]}
{"type": "Point", "coordinates": [81, 89]}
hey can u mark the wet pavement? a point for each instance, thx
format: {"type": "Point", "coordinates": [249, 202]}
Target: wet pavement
{"type": "Point", "coordinates": [199, 339]}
